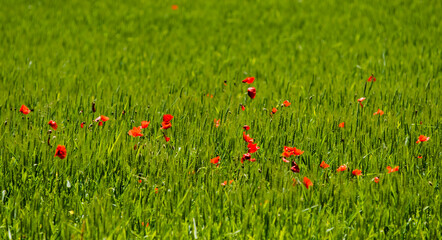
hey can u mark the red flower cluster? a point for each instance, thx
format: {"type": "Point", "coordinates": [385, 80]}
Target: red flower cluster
{"type": "Point", "coordinates": [225, 182]}
{"type": "Point", "coordinates": [380, 112]}
{"type": "Point", "coordinates": [136, 131]}
{"type": "Point", "coordinates": [166, 124]}
{"type": "Point", "coordinates": [101, 119]}
{"type": "Point", "coordinates": [252, 148]}
{"type": "Point", "coordinates": [286, 103]}
{"type": "Point", "coordinates": [292, 151]}
{"type": "Point", "coordinates": [289, 151]}
{"type": "Point", "coordinates": [390, 169]}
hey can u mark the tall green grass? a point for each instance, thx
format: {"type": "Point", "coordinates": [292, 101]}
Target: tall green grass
{"type": "Point", "coordinates": [145, 59]}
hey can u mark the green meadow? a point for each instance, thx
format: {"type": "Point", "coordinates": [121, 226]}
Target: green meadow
{"type": "Point", "coordinates": [73, 61]}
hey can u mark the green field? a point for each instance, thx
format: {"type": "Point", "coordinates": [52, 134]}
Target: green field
{"type": "Point", "coordinates": [136, 61]}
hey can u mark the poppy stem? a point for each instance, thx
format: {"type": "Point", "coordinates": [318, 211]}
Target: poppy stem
{"type": "Point", "coordinates": [371, 85]}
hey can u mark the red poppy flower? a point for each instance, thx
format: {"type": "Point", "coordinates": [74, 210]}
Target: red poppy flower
{"type": "Point", "coordinates": [246, 127]}
{"type": "Point", "coordinates": [166, 125]}
{"type": "Point", "coordinates": [145, 124]}
{"type": "Point", "coordinates": [286, 154]}
{"type": "Point", "coordinates": [166, 138]}
{"type": "Point", "coordinates": [249, 80]}
{"type": "Point", "coordinates": [247, 138]}
{"type": "Point", "coordinates": [156, 190]}
{"type": "Point", "coordinates": [252, 147]}
{"type": "Point", "coordinates": [376, 179]}
{"type": "Point", "coordinates": [297, 152]}
{"type": "Point", "coordinates": [216, 122]}
{"type": "Point", "coordinates": [60, 152]}
{"type": "Point", "coordinates": [274, 110]}
{"type": "Point", "coordinates": [215, 160]}
{"type": "Point", "coordinates": [342, 168]}
{"type": "Point", "coordinates": [174, 7]}
{"type": "Point", "coordinates": [308, 183]}
{"type": "Point", "coordinates": [82, 124]}
{"type": "Point", "coordinates": [166, 121]}
{"type": "Point", "coordinates": [225, 182]}
{"type": "Point", "coordinates": [246, 156]}
{"type": "Point", "coordinates": [422, 138]}
{"type": "Point", "coordinates": [420, 157]}
{"type": "Point", "coordinates": [286, 103]}
{"type": "Point", "coordinates": [289, 151]}
{"type": "Point", "coordinates": [53, 125]}
{"type": "Point", "coordinates": [295, 167]}
{"type": "Point", "coordinates": [25, 110]}
{"type": "Point", "coordinates": [390, 169]}
{"type": "Point", "coordinates": [104, 118]}
{"type": "Point", "coordinates": [371, 78]}
{"type": "Point", "coordinates": [380, 112]}
{"type": "Point", "coordinates": [285, 160]}
{"type": "Point", "coordinates": [243, 107]}
{"type": "Point", "coordinates": [324, 165]}
{"type": "Point", "coordinates": [356, 172]}
{"type": "Point", "coordinates": [135, 132]}
{"type": "Point", "coordinates": [140, 181]}
{"type": "Point", "coordinates": [100, 123]}
{"type": "Point", "coordinates": [252, 92]}
{"type": "Point", "coordinates": [360, 100]}
{"type": "Point", "coordinates": [342, 124]}
{"type": "Point", "coordinates": [167, 118]}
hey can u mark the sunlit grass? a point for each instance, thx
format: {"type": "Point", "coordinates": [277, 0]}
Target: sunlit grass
{"type": "Point", "coordinates": [139, 60]}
